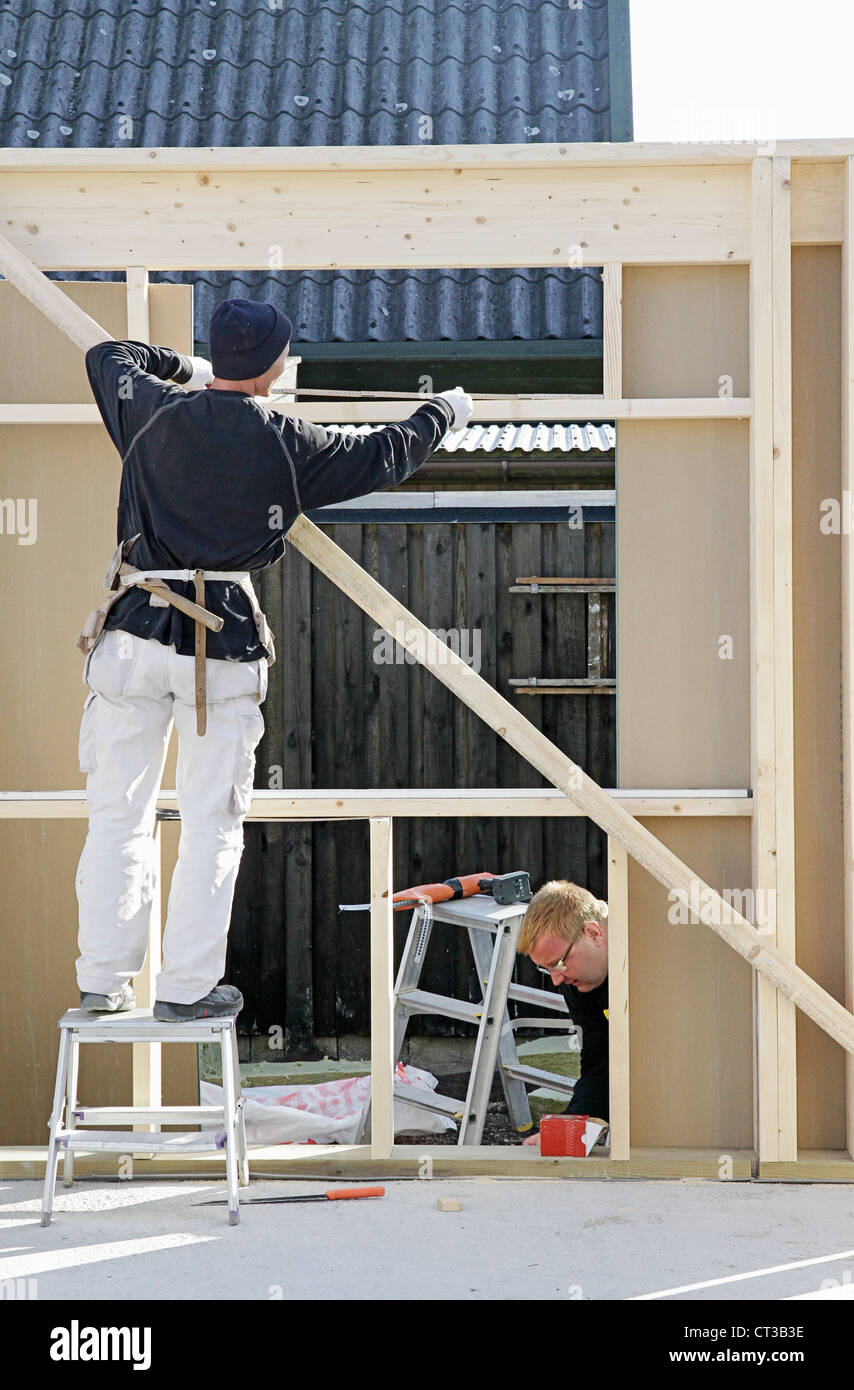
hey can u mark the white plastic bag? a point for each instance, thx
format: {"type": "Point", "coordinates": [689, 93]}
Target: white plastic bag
{"type": "Point", "coordinates": [328, 1112]}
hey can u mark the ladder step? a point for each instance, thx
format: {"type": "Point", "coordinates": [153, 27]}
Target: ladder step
{"type": "Point", "coordinates": [553, 1080]}
{"type": "Point", "coordinates": [141, 1115]}
{"type": "Point", "coordinates": [545, 998]}
{"type": "Point", "coordinates": [429, 1100]}
{"type": "Point", "coordinates": [419, 1001]}
{"type": "Point", "coordinates": [107, 1141]}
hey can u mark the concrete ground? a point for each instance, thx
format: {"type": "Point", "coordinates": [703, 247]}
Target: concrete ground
{"type": "Point", "coordinates": [513, 1239]}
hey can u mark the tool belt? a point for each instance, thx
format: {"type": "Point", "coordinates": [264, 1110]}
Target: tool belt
{"type": "Point", "coordinates": [121, 576]}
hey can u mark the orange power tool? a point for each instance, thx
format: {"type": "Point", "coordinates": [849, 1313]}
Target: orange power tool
{"type": "Point", "coordinates": [505, 888]}
{"type": "Point", "coordinates": [464, 887]}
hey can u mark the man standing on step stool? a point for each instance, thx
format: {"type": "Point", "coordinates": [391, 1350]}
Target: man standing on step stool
{"type": "Point", "coordinates": [565, 934]}
{"type": "Point", "coordinates": [212, 479]}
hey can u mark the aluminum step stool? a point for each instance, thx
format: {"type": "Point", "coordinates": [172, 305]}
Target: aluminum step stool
{"type": "Point", "coordinates": [138, 1025]}
{"type": "Point", "coordinates": [493, 932]}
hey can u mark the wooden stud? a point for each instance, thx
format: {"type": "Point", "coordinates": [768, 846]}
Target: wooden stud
{"type": "Point", "coordinates": [146, 1057]}
{"type": "Point", "coordinates": [847, 492]}
{"type": "Point", "coordinates": [612, 330]}
{"type": "Point", "coordinates": [618, 999]}
{"type": "Point", "coordinates": [137, 296]}
{"type": "Point", "coordinates": [382, 990]}
{"type": "Point", "coordinates": [784, 717]}
{"type": "Point", "coordinates": [762, 739]}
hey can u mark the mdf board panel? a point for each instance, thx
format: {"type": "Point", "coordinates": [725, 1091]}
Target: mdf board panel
{"type": "Point", "coordinates": [46, 366]}
{"type": "Point", "coordinates": [689, 1001]}
{"type": "Point", "coordinates": [38, 907]}
{"type": "Point", "coordinates": [46, 590]}
{"type": "Point", "coordinates": [816, 409]}
{"type": "Point", "coordinates": [685, 331]}
{"type": "Point", "coordinates": [72, 474]}
{"type": "Point", "coordinates": [68, 479]}
{"type": "Point", "coordinates": [683, 697]}
{"type": "Point", "coordinates": [683, 701]}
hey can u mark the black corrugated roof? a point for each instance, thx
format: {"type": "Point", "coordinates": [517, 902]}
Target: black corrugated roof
{"type": "Point", "coordinates": [328, 72]}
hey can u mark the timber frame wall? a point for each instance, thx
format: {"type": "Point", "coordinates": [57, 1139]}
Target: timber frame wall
{"type": "Point", "coordinates": [723, 266]}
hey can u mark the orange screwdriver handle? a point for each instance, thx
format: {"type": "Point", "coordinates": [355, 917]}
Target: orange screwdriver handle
{"type": "Point", "coordinates": [338, 1193]}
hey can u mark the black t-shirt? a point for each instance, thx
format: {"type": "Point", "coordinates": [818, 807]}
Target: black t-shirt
{"type": "Point", "coordinates": [588, 1010]}
{"type": "Point", "coordinates": [214, 480]}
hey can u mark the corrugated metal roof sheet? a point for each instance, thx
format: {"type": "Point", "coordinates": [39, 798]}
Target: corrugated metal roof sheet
{"type": "Point", "coordinates": [526, 438]}
{"type": "Point", "coordinates": [358, 306]}
{"type": "Point", "coordinates": [327, 72]}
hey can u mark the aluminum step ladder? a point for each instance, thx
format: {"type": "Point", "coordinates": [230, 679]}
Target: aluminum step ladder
{"type": "Point", "coordinates": [493, 933]}
{"type": "Point", "coordinates": [68, 1118]}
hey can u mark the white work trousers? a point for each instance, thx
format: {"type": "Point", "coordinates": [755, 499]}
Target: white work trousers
{"type": "Point", "coordinates": [137, 686]}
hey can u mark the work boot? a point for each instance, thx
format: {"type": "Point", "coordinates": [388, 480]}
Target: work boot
{"type": "Point", "coordinates": [219, 1002]}
{"type": "Point", "coordinates": [117, 1003]}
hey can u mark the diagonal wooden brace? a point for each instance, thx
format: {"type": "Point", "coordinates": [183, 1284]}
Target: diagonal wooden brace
{"type": "Point", "coordinates": [498, 713]}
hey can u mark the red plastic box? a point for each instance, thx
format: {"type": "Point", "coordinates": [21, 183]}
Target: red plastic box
{"type": "Point", "coordinates": [562, 1136]}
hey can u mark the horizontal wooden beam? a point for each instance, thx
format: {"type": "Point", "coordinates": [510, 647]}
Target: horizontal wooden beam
{"type": "Point", "coordinates": [193, 218]}
{"type": "Point", "coordinates": [447, 1160]}
{"type": "Point", "coordinates": [320, 804]}
{"type": "Point", "coordinates": [544, 409]}
{"type": "Point", "coordinates": [319, 158]}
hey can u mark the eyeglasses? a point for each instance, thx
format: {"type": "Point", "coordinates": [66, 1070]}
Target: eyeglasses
{"type": "Point", "coordinates": [553, 969]}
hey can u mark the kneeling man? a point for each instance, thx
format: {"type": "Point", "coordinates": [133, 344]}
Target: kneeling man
{"type": "Point", "coordinates": [565, 933]}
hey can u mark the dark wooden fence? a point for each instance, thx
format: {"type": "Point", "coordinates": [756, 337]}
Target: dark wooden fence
{"type": "Point", "coordinates": [338, 718]}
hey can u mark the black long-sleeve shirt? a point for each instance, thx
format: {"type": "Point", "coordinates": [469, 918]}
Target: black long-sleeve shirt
{"type": "Point", "coordinates": [214, 479]}
{"type": "Point", "coordinates": [588, 1010]}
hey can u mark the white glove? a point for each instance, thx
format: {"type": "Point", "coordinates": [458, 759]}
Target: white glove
{"type": "Point", "coordinates": [461, 404]}
{"type": "Point", "coordinates": [202, 374]}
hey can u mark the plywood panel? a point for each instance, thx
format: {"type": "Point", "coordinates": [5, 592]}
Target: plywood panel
{"type": "Point", "coordinates": [38, 907]}
{"type": "Point", "coordinates": [68, 480]}
{"type": "Point", "coordinates": [684, 693]}
{"type": "Point", "coordinates": [682, 588]}
{"type": "Point", "coordinates": [47, 367]}
{"type": "Point", "coordinates": [685, 328]}
{"type": "Point", "coordinates": [690, 1001]}
{"type": "Point", "coordinates": [818, 646]}
{"type": "Point", "coordinates": [46, 589]}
